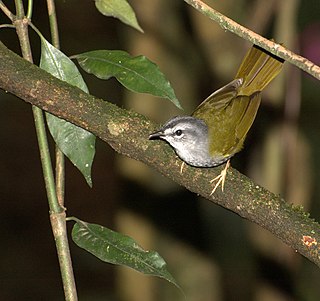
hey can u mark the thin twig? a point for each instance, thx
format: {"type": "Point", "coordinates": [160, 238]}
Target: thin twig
{"type": "Point", "coordinates": [53, 23]}
{"type": "Point", "coordinates": [59, 221]}
{"type": "Point", "coordinates": [19, 9]}
{"type": "Point", "coordinates": [57, 212]}
{"type": "Point", "coordinates": [6, 11]}
{"type": "Point", "coordinates": [247, 34]}
{"type": "Point", "coordinates": [60, 164]}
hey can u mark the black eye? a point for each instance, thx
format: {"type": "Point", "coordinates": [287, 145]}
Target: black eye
{"type": "Point", "coordinates": [178, 132]}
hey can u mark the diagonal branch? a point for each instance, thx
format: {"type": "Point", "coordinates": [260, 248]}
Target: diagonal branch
{"type": "Point", "coordinates": [127, 132]}
{"type": "Point", "coordinates": [247, 34]}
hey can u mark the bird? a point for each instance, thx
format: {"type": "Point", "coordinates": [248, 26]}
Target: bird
{"type": "Point", "coordinates": [217, 128]}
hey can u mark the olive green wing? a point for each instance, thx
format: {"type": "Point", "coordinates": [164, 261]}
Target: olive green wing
{"type": "Point", "coordinates": [230, 111]}
{"type": "Point", "coordinates": [243, 113]}
{"type": "Point", "coordinates": [229, 118]}
{"type": "Point", "coordinates": [218, 100]}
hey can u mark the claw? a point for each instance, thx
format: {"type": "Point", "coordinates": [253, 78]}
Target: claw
{"type": "Point", "coordinates": [220, 179]}
{"type": "Point", "coordinates": [181, 167]}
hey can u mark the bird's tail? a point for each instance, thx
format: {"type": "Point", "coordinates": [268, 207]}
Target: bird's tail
{"type": "Point", "coordinates": [258, 69]}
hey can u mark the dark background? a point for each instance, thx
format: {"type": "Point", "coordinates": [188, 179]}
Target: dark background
{"type": "Point", "coordinates": [213, 253]}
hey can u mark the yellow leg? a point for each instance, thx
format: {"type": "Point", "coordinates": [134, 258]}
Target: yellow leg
{"type": "Point", "coordinates": [220, 179]}
{"type": "Point", "coordinates": [181, 167]}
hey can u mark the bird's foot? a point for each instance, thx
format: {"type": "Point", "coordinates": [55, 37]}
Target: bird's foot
{"type": "Point", "coordinates": [181, 167]}
{"type": "Point", "coordinates": [220, 179]}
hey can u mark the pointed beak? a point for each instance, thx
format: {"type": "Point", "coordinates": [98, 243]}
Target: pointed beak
{"type": "Point", "coordinates": [156, 135]}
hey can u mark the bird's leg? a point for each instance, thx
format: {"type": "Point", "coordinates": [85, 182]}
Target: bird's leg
{"type": "Point", "coordinates": [220, 179]}
{"type": "Point", "coordinates": [181, 167]}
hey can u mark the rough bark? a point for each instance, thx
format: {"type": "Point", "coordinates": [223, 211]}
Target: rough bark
{"type": "Point", "coordinates": [127, 133]}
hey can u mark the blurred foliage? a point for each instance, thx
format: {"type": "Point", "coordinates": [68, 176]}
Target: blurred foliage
{"type": "Point", "coordinates": [213, 254]}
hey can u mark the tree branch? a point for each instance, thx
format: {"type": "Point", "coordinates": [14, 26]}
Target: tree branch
{"type": "Point", "coordinates": [249, 35]}
{"type": "Point", "coordinates": [127, 132]}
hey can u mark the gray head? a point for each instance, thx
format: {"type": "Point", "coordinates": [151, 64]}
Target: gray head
{"type": "Point", "coordinates": [189, 138]}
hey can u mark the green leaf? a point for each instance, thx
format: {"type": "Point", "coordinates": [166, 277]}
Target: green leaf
{"type": "Point", "coordinates": [76, 143]}
{"type": "Point", "coordinates": [120, 9]}
{"type": "Point", "coordinates": [116, 248]}
{"type": "Point", "coordinates": [137, 74]}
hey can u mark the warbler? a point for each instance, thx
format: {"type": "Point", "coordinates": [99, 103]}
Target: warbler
{"type": "Point", "coordinates": [216, 130]}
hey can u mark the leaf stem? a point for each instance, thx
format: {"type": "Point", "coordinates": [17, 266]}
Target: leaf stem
{"type": "Point", "coordinates": [7, 26]}
{"type": "Point", "coordinates": [30, 9]}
